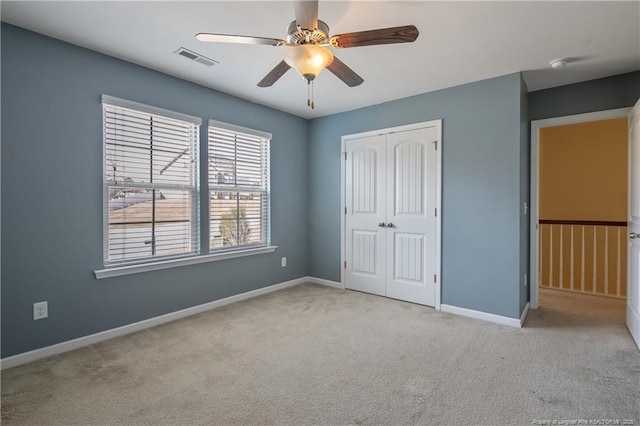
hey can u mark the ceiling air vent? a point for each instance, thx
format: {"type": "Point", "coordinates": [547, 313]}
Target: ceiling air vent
{"type": "Point", "coordinates": [189, 54]}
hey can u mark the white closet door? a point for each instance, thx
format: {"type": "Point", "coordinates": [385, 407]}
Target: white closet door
{"type": "Point", "coordinates": [411, 166]}
{"type": "Point", "coordinates": [365, 203]}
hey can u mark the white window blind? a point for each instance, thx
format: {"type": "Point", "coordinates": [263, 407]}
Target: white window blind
{"type": "Point", "coordinates": [238, 187]}
{"type": "Point", "coordinates": [151, 182]}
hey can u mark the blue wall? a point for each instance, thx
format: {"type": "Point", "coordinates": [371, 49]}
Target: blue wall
{"type": "Point", "coordinates": [481, 241]}
{"type": "Point", "coordinates": [618, 91]}
{"type": "Point", "coordinates": [52, 194]}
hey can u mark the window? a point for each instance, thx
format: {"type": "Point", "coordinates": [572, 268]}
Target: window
{"type": "Point", "coordinates": [150, 182]}
{"type": "Point", "coordinates": [238, 187]}
{"type": "Point", "coordinates": [152, 216]}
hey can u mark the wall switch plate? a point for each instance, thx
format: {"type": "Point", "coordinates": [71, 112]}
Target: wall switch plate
{"type": "Point", "coordinates": [40, 310]}
{"type": "Point", "coordinates": [283, 262]}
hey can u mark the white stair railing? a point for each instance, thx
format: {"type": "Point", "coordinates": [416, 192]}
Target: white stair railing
{"type": "Point", "coordinates": [583, 256]}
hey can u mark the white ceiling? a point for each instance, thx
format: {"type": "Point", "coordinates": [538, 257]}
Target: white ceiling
{"type": "Point", "coordinates": [459, 42]}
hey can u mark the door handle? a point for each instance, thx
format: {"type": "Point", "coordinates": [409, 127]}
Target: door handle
{"type": "Point", "coordinates": [381, 225]}
{"type": "Point", "coordinates": [389, 225]}
{"type": "Point", "coordinates": [633, 236]}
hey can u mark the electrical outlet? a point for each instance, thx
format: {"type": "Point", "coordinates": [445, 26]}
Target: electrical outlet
{"type": "Point", "coordinates": [526, 281]}
{"type": "Point", "coordinates": [283, 262]}
{"type": "Point", "coordinates": [40, 310]}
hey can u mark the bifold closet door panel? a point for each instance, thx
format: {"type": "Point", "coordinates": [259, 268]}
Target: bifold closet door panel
{"type": "Point", "coordinates": [365, 212]}
{"type": "Point", "coordinates": [411, 179]}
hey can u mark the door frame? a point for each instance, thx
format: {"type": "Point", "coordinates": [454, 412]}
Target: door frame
{"type": "Point", "coordinates": [536, 125]}
{"type": "Point", "coordinates": [343, 151]}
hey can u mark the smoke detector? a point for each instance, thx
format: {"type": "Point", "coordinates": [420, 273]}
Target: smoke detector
{"type": "Point", "coordinates": [558, 63]}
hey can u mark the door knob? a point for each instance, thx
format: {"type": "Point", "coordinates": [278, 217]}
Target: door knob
{"type": "Point", "coordinates": [633, 235]}
{"type": "Point", "coordinates": [381, 225]}
{"type": "Point", "coordinates": [389, 225]}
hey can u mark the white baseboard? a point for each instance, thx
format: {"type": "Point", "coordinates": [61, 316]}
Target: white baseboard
{"type": "Point", "coordinates": [23, 358]}
{"type": "Point", "coordinates": [498, 319]}
{"type": "Point", "coordinates": [328, 283]}
{"type": "Point", "coordinates": [525, 312]}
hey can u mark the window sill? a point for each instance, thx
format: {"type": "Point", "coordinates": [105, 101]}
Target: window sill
{"type": "Point", "coordinates": [174, 263]}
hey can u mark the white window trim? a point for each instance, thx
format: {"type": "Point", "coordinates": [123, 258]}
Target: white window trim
{"type": "Point", "coordinates": [174, 263]}
{"type": "Point", "coordinates": [240, 129]}
{"type": "Point", "coordinates": [112, 100]}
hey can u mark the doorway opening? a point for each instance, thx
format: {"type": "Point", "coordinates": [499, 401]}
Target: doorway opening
{"type": "Point", "coordinates": [579, 212]}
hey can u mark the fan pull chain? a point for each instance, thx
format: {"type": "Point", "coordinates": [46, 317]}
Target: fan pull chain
{"type": "Point", "coordinates": [310, 103]}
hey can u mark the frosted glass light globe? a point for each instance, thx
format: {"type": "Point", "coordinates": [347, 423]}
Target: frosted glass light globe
{"type": "Point", "coordinates": [308, 60]}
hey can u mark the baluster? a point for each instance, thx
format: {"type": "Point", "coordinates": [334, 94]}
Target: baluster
{"type": "Point", "coordinates": [571, 267]}
{"type": "Point", "coordinates": [618, 262]}
{"type": "Point", "coordinates": [582, 262]}
{"type": "Point", "coordinates": [595, 263]}
{"type": "Point", "coordinates": [550, 255]}
{"type": "Point", "coordinates": [606, 260]}
{"type": "Point", "coordinates": [561, 260]}
{"type": "Point", "coordinates": [540, 260]}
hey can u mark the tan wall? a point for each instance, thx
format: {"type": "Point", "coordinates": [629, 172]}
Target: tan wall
{"type": "Point", "coordinates": [583, 176]}
{"type": "Point", "coordinates": [583, 171]}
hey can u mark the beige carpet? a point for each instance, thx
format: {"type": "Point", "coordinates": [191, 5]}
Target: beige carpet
{"type": "Point", "coordinates": [318, 355]}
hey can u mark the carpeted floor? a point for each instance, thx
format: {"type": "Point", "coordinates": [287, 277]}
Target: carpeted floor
{"type": "Point", "coordinates": [318, 355]}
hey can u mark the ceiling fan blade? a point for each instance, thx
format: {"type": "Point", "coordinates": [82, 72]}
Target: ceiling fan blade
{"type": "Point", "coordinates": [274, 74]}
{"type": "Point", "coordinates": [404, 34]}
{"type": "Point", "coordinates": [344, 73]}
{"type": "Point", "coordinates": [230, 38]}
{"type": "Point", "coordinates": [306, 13]}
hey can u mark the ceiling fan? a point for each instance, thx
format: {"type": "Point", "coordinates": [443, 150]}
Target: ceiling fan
{"type": "Point", "coordinates": [307, 41]}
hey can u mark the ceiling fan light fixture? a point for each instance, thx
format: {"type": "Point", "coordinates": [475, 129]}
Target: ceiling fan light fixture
{"type": "Point", "coordinates": [308, 60]}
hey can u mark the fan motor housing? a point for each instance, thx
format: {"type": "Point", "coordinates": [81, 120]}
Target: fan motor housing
{"type": "Point", "coordinates": [297, 35]}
